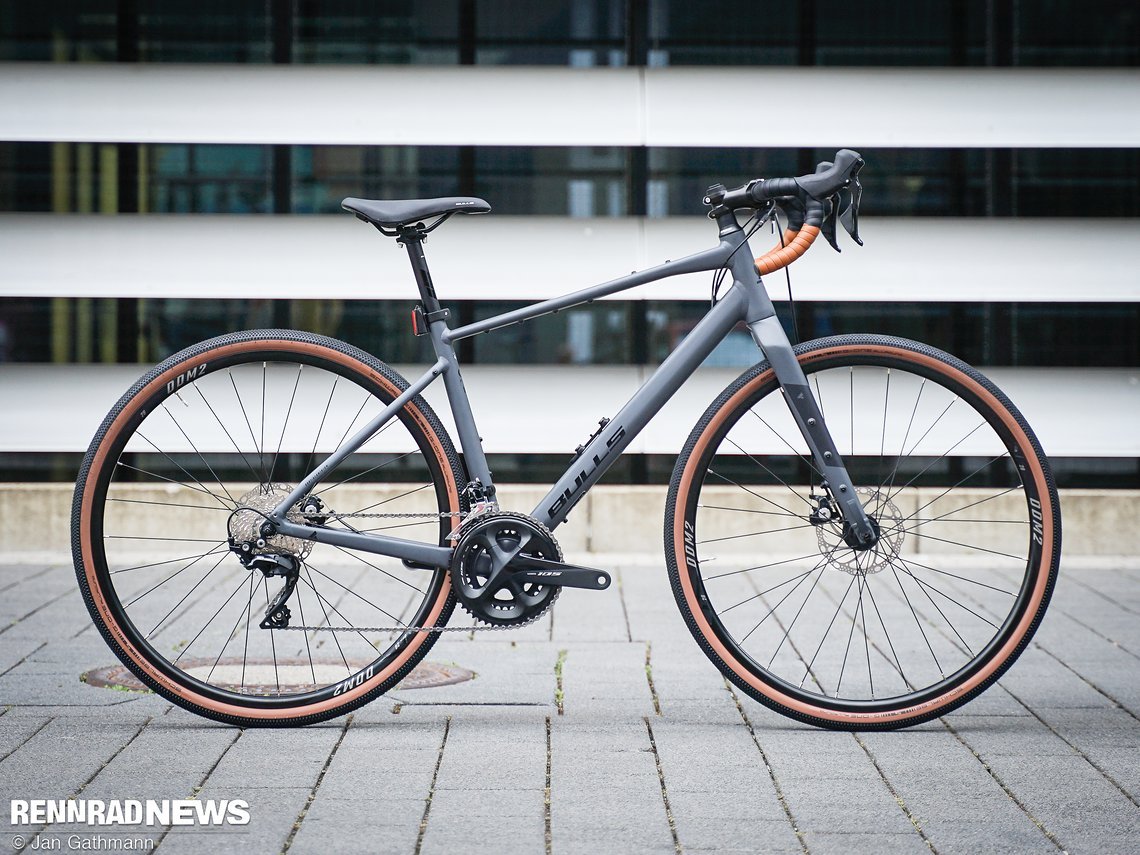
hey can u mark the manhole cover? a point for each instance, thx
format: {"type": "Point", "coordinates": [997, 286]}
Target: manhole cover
{"type": "Point", "coordinates": [263, 677]}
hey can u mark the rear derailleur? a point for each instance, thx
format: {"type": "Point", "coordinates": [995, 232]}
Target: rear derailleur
{"type": "Point", "coordinates": [277, 615]}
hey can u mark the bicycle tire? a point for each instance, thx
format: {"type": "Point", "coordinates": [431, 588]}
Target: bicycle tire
{"type": "Point", "coordinates": [719, 441]}
{"type": "Point", "coordinates": [118, 454]}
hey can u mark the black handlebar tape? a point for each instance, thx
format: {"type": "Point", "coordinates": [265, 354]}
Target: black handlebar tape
{"type": "Point", "coordinates": [763, 189]}
{"type": "Point", "coordinates": [821, 185]}
{"type": "Point", "coordinates": [814, 213]}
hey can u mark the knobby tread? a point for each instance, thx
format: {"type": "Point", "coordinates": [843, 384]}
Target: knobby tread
{"type": "Point", "coordinates": [675, 568]}
{"type": "Point", "coordinates": [267, 337]}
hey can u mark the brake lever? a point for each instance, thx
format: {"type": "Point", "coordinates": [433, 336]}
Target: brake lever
{"type": "Point", "coordinates": [849, 216]}
{"type": "Point", "coordinates": [830, 213]}
{"type": "Point", "coordinates": [830, 209]}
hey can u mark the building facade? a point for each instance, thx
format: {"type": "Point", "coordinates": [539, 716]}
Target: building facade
{"type": "Point", "coordinates": [129, 232]}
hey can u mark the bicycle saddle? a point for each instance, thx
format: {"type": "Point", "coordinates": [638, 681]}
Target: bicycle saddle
{"type": "Point", "coordinates": [398, 212]}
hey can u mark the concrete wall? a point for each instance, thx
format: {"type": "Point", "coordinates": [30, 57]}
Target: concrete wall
{"type": "Point", "coordinates": [611, 519]}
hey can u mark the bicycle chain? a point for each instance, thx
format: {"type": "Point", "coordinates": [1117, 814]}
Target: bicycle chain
{"type": "Point", "coordinates": [483, 628]}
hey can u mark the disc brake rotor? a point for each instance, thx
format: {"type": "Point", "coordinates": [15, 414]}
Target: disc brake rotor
{"type": "Point", "coordinates": [888, 520]}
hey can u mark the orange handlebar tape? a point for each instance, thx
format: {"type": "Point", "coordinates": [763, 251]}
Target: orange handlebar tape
{"type": "Point", "coordinates": [797, 243]}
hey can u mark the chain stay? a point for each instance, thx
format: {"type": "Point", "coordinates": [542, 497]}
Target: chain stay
{"type": "Point", "coordinates": [441, 515]}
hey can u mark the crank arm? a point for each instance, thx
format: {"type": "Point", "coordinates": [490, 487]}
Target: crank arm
{"type": "Point", "coordinates": [543, 572]}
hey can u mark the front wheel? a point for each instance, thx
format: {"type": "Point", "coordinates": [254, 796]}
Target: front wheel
{"type": "Point", "coordinates": [168, 510]}
{"type": "Point", "coordinates": [961, 497]}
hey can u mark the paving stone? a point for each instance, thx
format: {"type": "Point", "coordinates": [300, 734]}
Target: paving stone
{"type": "Point", "coordinates": [1054, 734]}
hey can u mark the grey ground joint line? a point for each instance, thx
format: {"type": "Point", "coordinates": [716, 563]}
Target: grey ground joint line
{"type": "Point", "coordinates": [649, 677]}
{"type": "Point", "coordinates": [1117, 703]}
{"type": "Point", "coordinates": [431, 788]}
{"type": "Point", "coordinates": [1101, 771]}
{"type": "Point", "coordinates": [771, 770]}
{"type": "Point", "coordinates": [559, 693]}
{"type": "Point", "coordinates": [664, 790]}
{"type": "Point", "coordinates": [38, 608]}
{"type": "Point", "coordinates": [202, 783]}
{"type": "Point", "coordinates": [28, 739]}
{"type": "Point", "coordinates": [1005, 787]}
{"type": "Point", "coordinates": [32, 844]}
{"type": "Point", "coordinates": [624, 608]}
{"type": "Point", "coordinates": [548, 835]}
{"type": "Point", "coordinates": [895, 794]}
{"type": "Point", "coordinates": [316, 786]}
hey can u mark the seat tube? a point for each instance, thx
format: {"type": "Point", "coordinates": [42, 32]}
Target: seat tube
{"type": "Point", "coordinates": [469, 439]}
{"type": "Point", "coordinates": [412, 237]}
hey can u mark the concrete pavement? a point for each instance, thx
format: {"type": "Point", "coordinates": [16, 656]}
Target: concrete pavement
{"type": "Point", "coordinates": [600, 729]}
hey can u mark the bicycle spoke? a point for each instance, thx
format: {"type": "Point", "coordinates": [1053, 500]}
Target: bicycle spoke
{"type": "Point", "coordinates": [917, 622]}
{"type": "Point", "coordinates": [769, 590]}
{"type": "Point", "coordinates": [791, 448]}
{"type": "Point", "coordinates": [368, 471]}
{"type": "Point", "coordinates": [206, 626]}
{"type": "Point", "coordinates": [209, 468]}
{"type": "Point", "coordinates": [830, 624]}
{"type": "Point", "coordinates": [391, 499]}
{"type": "Point", "coordinates": [220, 545]}
{"type": "Point", "coordinates": [770, 472]}
{"type": "Point", "coordinates": [340, 614]}
{"type": "Point", "coordinates": [272, 638]}
{"type": "Point", "coordinates": [771, 610]}
{"type": "Point", "coordinates": [887, 635]}
{"type": "Point", "coordinates": [949, 623]}
{"type": "Point", "coordinates": [258, 478]}
{"type": "Point", "coordinates": [755, 533]}
{"type": "Point", "coordinates": [168, 578]}
{"type": "Point", "coordinates": [285, 425]}
{"type": "Point", "coordinates": [751, 511]}
{"type": "Point", "coordinates": [308, 648]}
{"type": "Point", "coordinates": [233, 630]}
{"type": "Point", "coordinates": [967, 546]}
{"type": "Point", "coordinates": [942, 593]}
{"type": "Point", "coordinates": [752, 493]}
{"type": "Point", "coordinates": [349, 590]}
{"type": "Point", "coordinates": [324, 611]}
{"type": "Point", "coordinates": [381, 569]}
{"type": "Point", "coordinates": [225, 430]}
{"type": "Point", "coordinates": [320, 429]}
{"type": "Point", "coordinates": [167, 504]}
{"type": "Point", "coordinates": [761, 566]}
{"type": "Point", "coordinates": [913, 563]}
{"type": "Point", "coordinates": [201, 486]}
{"type": "Point", "coordinates": [217, 564]}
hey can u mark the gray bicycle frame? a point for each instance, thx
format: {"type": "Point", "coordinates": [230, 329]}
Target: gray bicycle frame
{"type": "Point", "coordinates": [747, 301]}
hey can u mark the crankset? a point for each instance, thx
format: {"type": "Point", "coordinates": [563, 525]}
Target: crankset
{"type": "Point", "coordinates": [507, 569]}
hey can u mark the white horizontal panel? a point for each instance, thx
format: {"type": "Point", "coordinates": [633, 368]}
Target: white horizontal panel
{"type": "Point", "coordinates": [532, 258]}
{"type": "Point", "coordinates": [59, 407]}
{"type": "Point", "coordinates": [405, 105]}
{"type": "Point", "coordinates": [701, 107]}
{"type": "Point", "coordinates": [888, 107]}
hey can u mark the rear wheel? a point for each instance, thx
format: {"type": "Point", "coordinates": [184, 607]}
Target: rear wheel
{"type": "Point", "coordinates": [186, 465]}
{"type": "Point", "coordinates": [765, 571]}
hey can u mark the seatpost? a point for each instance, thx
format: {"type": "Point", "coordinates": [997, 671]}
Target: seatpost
{"type": "Point", "coordinates": [412, 238]}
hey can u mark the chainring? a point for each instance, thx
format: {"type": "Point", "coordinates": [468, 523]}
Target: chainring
{"type": "Point", "coordinates": [481, 573]}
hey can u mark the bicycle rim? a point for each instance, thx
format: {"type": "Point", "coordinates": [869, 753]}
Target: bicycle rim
{"type": "Point", "coordinates": [230, 425]}
{"type": "Point", "coordinates": [950, 593]}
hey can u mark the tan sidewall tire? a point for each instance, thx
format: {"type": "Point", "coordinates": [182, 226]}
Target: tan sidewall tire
{"type": "Point", "coordinates": [85, 551]}
{"type": "Point", "coordinates": [731, 665]}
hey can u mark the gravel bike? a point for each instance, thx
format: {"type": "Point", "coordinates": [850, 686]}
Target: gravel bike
{"type": "Point", "coordinates": [861, 531]}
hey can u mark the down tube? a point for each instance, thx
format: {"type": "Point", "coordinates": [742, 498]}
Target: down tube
{"type": "Point", "coordinates": [605, 448]}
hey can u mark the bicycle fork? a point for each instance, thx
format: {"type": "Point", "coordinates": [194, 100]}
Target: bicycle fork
{"type": "Point", "coordinates": [770, 337]}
